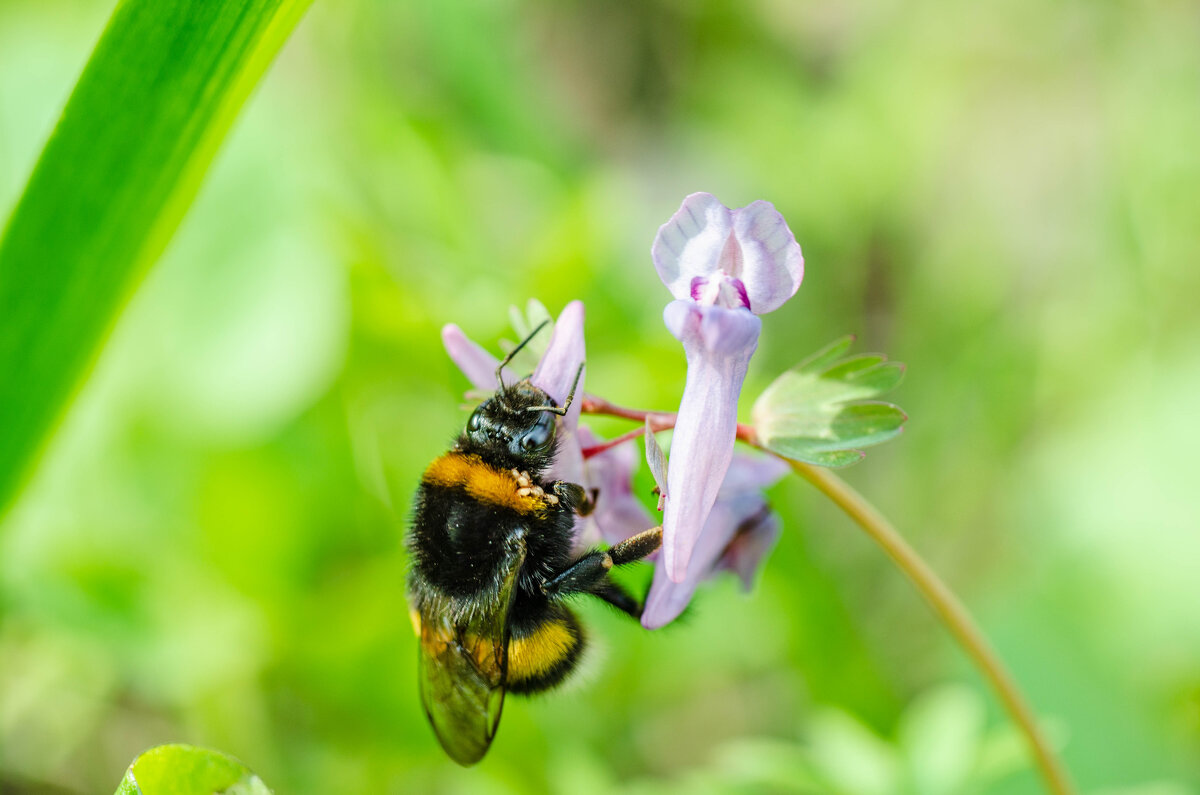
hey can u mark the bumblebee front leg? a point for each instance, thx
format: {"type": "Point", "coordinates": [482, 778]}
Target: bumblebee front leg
{"type": "Point", "coordinates": [574, 495]}
{"type": "Point", "coordinates": [590, 570]}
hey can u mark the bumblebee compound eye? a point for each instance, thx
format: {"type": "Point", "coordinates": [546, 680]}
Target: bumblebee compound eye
{"type": "Point", "coordinates": [476, 420]}
{"type": "Point", "coordinates": [541, 435]}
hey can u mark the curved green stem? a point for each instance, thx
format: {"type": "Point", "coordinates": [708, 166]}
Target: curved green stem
{"type": "Point", "coordinates": [951, 612]}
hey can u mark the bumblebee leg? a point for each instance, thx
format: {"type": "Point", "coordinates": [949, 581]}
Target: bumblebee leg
{"type": "Point", "coordinates": [590, 570]}
{"type": "Point", "coordinates": [619, 598]}
{"type": "Point", "coordinates": [574, 495]}
{"type": "Point", "coordinates": [636, 547]}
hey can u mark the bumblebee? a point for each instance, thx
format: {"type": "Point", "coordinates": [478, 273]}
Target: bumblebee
{"type": "Point", "coordinates": [492, 565]}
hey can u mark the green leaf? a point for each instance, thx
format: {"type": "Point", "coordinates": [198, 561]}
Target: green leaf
{"type": "Point", "coordinates": [141, 127]}
{"type": "Point", "coordinates": [187, 770]}
{"type": "Point", "coordinates": [821, 411]}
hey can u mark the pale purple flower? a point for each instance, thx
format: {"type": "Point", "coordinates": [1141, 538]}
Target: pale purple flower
{"type": "Point", "coordinates": [738, 534]}
{"type": "Point", "coordinates": [724, 267]}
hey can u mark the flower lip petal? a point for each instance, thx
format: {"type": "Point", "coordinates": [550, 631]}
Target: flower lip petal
{"type": "Point", "coordinates": [713, 329]}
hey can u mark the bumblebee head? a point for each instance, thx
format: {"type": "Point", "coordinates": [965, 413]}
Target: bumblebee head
{"type": "Point", "coordinates": [517, 423]}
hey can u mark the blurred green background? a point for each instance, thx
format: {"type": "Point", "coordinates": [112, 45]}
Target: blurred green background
{"type": "Point", "coordinates": [1005, 197]}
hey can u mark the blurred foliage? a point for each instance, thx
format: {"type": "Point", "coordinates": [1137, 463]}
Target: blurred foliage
{"type": "Point", "coordinates": [187, 770]}
{"type": "Point", "coordinates": [158, 95]}
{"type": "Point", "coordinates": [1001, 196]}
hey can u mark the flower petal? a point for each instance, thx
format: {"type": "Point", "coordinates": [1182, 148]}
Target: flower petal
{"type": "Point", "coordinates": [477, 364]}
{"type": "Point", "coordinates": [557, 369]}
{"type": "Point", "coordinates": [690, 243]}
{"type": "Point", "coordinates": [738, 534]}
{"type": "Point", "coordinates": [668, 597]}
{"type": "Point", "coordinates": [749, 548]}
{"type": "Point", "coordinates": [619, 514]}
{"type": "Point", "coordinates": [743, 257]}
{"type": "Point", "coordinates": [750, 474]}
{"type": "Point", "coordinates": [772, 264]}
{"type": "Point", "coordinates": [555, 374]}
{"type": "Point", "coordinates": [718, 343]}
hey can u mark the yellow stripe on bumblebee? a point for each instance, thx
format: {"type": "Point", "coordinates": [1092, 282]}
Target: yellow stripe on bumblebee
{"type": "Point", "coordinates": [486, 483]}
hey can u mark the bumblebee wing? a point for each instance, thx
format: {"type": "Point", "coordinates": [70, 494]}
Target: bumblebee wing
{"type": "Point", "coordinates": [463, 669]}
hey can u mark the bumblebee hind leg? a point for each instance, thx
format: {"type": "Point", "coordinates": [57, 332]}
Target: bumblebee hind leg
{"type": "Point", "coordinates": [619, 598]}
{"type": "Point", "coordinates": [589, 574]}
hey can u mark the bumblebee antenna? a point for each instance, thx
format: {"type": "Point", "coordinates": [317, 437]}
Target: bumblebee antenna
{"type": "Point", "coordinates": [516, 350]}
{"type": "Point", "coordinates": [570, 397]}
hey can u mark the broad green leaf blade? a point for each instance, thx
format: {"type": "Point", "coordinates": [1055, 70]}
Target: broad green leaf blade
{"type": "Point", "coordinates": [140, 129]}
{"type": "Point", "coordinates": [821, 411]}
{"type": "Point", "coordinates": [186, 770]}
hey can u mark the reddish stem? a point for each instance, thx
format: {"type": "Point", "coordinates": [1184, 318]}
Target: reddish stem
{"type": "Point", "coordinates": [596, 449]}
{"type": "Point", "coordinates": [659, 421]}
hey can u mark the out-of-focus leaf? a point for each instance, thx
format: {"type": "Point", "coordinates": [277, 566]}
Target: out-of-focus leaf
{"type": "Point", "coordinates": [850, 758]}
{"type": "Point", "coordinates": [821, 410]}
{"type": "Point", "coordinates": [187, 770]}
{"type": "Point", "coordinates": [941, 733]}
{"type": "Point", "coordinates": [143, 123]}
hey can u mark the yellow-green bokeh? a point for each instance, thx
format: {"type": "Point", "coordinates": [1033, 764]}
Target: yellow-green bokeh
{"type": "Point", "coordinates": [1005, 197]}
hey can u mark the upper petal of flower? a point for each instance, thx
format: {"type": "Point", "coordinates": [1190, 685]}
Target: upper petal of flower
{"type": "Point", "coordinates": [745, 257]}
{"type": "Point", "coordinates": [690, 243]}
